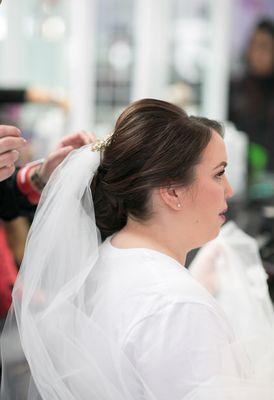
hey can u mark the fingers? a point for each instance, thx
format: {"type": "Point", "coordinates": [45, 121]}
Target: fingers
{"type": "Point", "coordinates": [6, 172]}
{"type": "Point", "coordinates": [90, 137]}
{"type": "Point", "coordinates": [10, 143]}
{"type": "Point", "coordinates": [60, 154]}
{"type": "Point", "coordinates": [8, 130]}
{"type": "Point", "coordinates": [65, 146]}
{"type": "Point", "coordinates": [8, 158]}
{"type": "Point", "coordinates": [53, 161]}
{"type": "Point", "coordinates": [77, 140]}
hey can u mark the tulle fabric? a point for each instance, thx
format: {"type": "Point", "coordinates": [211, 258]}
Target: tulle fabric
{"type": "Point", "coordinates": [48, 306]}
{"type": "Point", "coordinates": [63, 352]}
{"type": "Point", "coordinates": [68, 354]}
{"type": "Point", "coordinates": [231, 269]}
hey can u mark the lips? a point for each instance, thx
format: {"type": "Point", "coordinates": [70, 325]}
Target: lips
{"type": "Point", "coordinates": [224, 211]}
{"type": "Point", "coordinates": [222, 214]}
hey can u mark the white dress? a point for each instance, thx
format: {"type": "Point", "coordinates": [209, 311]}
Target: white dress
{"type": "Point", "coordinates": [164, 323]}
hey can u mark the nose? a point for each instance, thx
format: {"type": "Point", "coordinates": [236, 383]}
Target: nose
{"type": "Point", "coordinates": [228, 189]}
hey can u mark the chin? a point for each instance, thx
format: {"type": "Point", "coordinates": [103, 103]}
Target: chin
{"type": "Point", "coordinates": [208, 237]}
{"type": "Point", "coordinates": [215, 233]}
{"type": "Point", "coordinates": [205, 234]}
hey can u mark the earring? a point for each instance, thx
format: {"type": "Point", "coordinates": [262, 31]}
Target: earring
{"type": "Point", "coordinates": [178, 205]}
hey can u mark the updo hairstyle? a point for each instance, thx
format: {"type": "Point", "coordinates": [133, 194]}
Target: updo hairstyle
{"type": "Point", "coordinates": [154, 144]}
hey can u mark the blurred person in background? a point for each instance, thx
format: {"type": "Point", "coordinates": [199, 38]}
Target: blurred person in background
{"type": "Point", "coordinates": [16, 230]}
{"type": "Point", "coordinates": [32, 95]}
{"type": "Point", "coordinates": [252, 96]}
{"type": "Point", "coordinates": [252, 110]}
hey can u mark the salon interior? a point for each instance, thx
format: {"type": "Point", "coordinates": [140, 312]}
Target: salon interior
{"type": "Point", "coordinates": [211, 57]}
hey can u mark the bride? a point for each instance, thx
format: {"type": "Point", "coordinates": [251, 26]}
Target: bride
{"type": "Point", "coordinates": [121, 318]}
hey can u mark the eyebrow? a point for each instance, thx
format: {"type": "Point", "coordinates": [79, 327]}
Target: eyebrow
{"type": "Point", "coordinates": [222, 164]}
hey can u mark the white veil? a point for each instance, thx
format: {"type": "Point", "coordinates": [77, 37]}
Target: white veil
{"type": "Point", "coordinates": [231, 270]}
{"type": "Point", "coordinates": [51, 346]}
{"type": "Point", "coordinates": [61, 249]}
{"type": "Point", "coordinates": [68, 354]}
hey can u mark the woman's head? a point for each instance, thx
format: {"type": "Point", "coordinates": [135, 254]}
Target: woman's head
{"type": "Point", "coordinates": [154, 145]}
{"type": "Point", "coordinates": [260, 55]}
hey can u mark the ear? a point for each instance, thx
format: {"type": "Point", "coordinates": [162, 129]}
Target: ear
{"type": "Point", "coordinates": [171, 197]}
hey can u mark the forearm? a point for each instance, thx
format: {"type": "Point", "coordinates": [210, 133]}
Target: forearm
{"type": "Point", "coordinates": [30, 181]}
{"type": "Point", "coordinates": [36, 95]}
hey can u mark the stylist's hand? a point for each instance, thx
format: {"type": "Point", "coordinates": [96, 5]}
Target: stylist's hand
{"type": "Point", "coordinates": [10, 142]}
{"type": "Point", "coordinates": [64, 147]}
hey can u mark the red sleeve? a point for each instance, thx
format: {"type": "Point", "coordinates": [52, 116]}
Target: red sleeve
{"type": "Point", "coordinates": [8, 274]}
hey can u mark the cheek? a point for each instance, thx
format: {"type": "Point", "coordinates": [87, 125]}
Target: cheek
{"type": "Point", "coordinates": [208, 199]}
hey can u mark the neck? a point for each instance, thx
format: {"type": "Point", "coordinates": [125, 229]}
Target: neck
{"type": "Point", "coordinates": [156, 236]}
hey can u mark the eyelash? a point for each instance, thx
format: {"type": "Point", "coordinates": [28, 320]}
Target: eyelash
{"type": "Point", "coordinates": [220, 174]}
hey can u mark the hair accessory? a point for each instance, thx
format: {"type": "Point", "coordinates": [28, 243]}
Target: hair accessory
{"type": "Point", "coordinates": [100, 145]}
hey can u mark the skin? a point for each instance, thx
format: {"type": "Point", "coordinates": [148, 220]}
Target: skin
{"type": "Point", "coordinates": [36, 95]}
{"type": "Point", "coordinates": [261, 54]}
{"type": "Point", "coordinates": [184, 218]}
{"type": "Point", "coordinates": [11, 142]}
{"type": "Point", "coordinates": [64, 147]}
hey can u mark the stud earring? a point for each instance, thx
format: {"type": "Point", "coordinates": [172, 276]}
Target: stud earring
{"type": "Point", "coordinates": [178, 205]}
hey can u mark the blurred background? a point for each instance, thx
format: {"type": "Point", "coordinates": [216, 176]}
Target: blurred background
{"type": "Point", "coordinates": [67, 65]}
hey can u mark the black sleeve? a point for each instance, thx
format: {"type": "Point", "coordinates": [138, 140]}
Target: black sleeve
{"type": "Point", "coordinates": [12, 96]}
{"type": "Point", "coordinates": [12, 202]}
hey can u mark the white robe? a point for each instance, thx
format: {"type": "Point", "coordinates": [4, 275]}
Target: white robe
{"type": "Point", "coordinates": [166, 324]}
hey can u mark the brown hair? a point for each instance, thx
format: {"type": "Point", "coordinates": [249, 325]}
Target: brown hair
{"type": "Point", "coordinates": [154, 144]}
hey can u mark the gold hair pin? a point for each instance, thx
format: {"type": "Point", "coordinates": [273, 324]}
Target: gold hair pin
{"type": "Point", "coordinates": [100, 145]}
